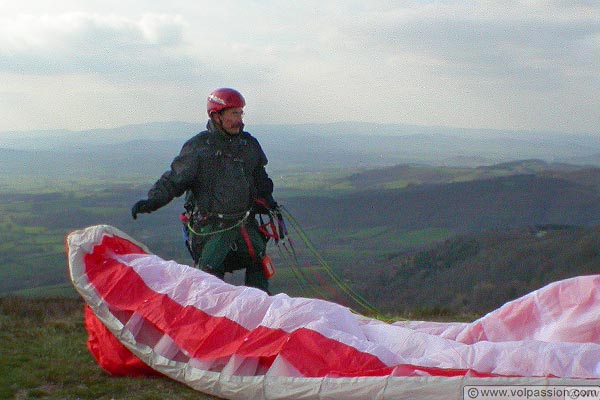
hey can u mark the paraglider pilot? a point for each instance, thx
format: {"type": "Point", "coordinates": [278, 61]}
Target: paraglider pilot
{"type": "Point", "coordinates": [222, 172]}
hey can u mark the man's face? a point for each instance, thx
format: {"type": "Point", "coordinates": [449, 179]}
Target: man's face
{"type": "Point", "coordinates": [231, 120]}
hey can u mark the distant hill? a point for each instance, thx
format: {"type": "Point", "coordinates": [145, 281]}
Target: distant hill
{"type": "Point", "coordinates": [86, 140]}
{"type": "Point", "coordinates": [403, 175]}
{"type": "Point", "coordinates": [479, 272]}
{"type": "Point", "coordinates": [587, 177]}
{"type": "Point", "coordinates": [502, 202]}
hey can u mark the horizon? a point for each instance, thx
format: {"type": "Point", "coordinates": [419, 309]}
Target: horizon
{"type": "Point", "coordinates": [336, 144]}
{"type": "Point", "coordinates": [248, 127]}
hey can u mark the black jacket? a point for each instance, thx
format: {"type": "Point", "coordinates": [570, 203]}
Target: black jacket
{"type": "Point", "coordinates": [221, 173]}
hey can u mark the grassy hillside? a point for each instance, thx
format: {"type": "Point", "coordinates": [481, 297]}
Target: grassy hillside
{"type": "Point", "coordinates": [44, 356]}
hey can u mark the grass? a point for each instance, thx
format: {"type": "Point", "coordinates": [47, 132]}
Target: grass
{"type": "Point", "coordinates": [61, 290]}
{"type": "Point", "coordinates": [44, 356]}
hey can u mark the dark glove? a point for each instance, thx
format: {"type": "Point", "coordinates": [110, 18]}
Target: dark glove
{"type": "Point", "coordinates": [143, 207]}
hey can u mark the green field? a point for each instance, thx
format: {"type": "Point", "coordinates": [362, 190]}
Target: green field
{"type": "Point", "coordinates": [34, 225]}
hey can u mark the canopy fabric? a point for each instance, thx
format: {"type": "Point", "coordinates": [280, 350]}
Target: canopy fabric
{"type": "Point", "coordinates": [146, 315]}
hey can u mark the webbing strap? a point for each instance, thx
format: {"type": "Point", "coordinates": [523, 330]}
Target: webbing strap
{"type": "Point", "coordinates": [268, 229]}
{"type": "Point", "coordinates": [246, 237]}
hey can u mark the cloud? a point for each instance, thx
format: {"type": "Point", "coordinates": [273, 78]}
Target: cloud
{"type": "Point", "coordinates": [150, 48]}
{"type": "Point", "coordinates": [529, 64]}
{"type": "Point", "coordinates": [535, 45]}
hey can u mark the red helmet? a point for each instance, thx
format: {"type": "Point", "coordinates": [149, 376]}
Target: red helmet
{"type": "Point", "coordinates": [223, 98]}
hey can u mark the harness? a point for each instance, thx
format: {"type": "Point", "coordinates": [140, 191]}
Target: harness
{"type": "Point", "coordinates": [273, 227]}
{"type": "Point", "coordinates": [188, 223]}
{"type": "Point", "coordinates": [240, 223]}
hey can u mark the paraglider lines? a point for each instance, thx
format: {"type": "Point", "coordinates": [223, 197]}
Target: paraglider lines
{"type": "Point", "coordinates": [292, 258]}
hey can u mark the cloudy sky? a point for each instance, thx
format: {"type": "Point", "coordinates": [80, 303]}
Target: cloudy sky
{"type": "Point", "coordinates": [518, 65]}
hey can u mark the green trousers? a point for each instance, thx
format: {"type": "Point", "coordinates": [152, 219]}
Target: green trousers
{"type": "Point", "coordinates": [219, 249]}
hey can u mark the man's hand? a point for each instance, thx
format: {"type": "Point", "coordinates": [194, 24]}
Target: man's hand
{"type": "Point", "coordinates": [143, 207]}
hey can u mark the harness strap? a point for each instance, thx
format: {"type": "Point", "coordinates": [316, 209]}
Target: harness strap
{"type": "Point", "coordinates": [246, 237]}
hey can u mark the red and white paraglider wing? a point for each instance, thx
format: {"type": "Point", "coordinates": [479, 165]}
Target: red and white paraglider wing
{"type": "Point", "coordinates": [238, 342]}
